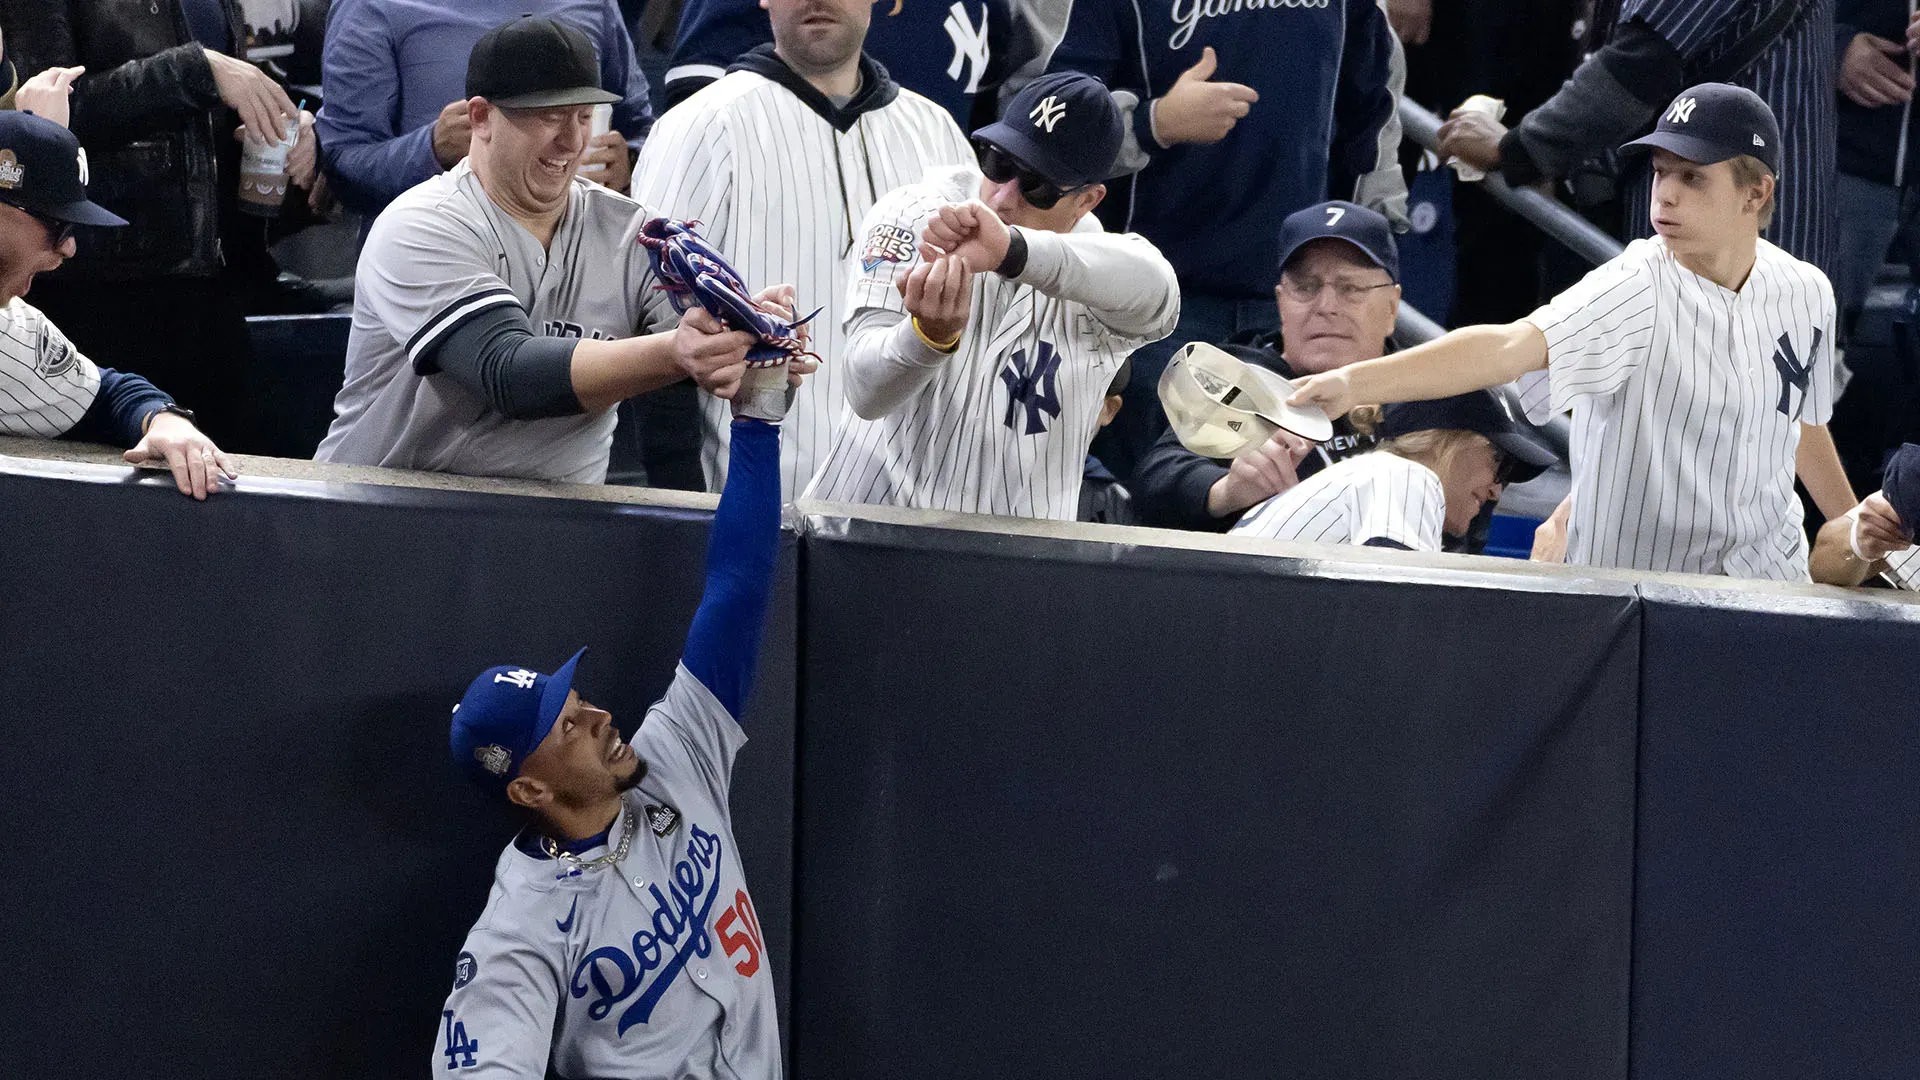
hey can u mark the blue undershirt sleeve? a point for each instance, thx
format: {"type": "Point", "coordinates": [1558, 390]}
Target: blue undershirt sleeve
{"type": "Point", "coordinates": [119, 410]}
{"type": "Point", "coordinates": [724, 643]}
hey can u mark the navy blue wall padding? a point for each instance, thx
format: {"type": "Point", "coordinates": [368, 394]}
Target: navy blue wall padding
{"type": "Point", "coordinates": [1777, 926]}
{"type": "Point", "coordinates": [1088, 810]}
{"type": "Point", "coordinates": [234, 843]}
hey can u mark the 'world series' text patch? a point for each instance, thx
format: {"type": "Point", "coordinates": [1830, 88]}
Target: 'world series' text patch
{"type": "Point", "coordinates": [886, 243]}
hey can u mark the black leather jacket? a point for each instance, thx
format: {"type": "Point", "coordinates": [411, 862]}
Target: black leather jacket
{"type": "Point", "coordinates": [150, 118]}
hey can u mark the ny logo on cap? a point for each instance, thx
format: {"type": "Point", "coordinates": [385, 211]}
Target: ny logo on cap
{"type": "Point", "coordinates": [494, 758]}
{"type": "Point", "coordinates": [83, 166]}
{"type": "Point", "coordinates": [519, 677]}
{"type": "Point", "coordinates": [1047, 113]}
{"type": "Point", "coordinates": [1682, 111]}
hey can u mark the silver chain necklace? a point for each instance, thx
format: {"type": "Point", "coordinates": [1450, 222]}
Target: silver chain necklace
{"type": "Point", "coordinates": [554, 851]}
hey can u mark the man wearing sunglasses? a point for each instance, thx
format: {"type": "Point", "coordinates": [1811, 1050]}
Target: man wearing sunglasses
{"type": "Point", "coordinates": [989, 315]}
{"type": "Point", "coordinates": [50, 389]}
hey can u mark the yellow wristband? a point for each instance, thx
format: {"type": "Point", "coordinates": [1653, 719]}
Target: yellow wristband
{"type": "Point", "coordinates": [937, 346]}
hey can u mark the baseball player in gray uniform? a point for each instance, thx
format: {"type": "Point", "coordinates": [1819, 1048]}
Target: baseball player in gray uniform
{"type": "Point", "coordinates": [48, 388]}
{"type": "Point", "coordinates": [988, 316]}
{"type": "Point", "coordinates": [496, 304]}
{"type": "Point", "coordinates": [620, 938]}
{"type": "Point", "coordinates": [1437, 465]}
{"type": "Point", "coordinates": [1698, 366]}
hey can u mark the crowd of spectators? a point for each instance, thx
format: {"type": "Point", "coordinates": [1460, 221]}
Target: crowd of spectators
{"type": "Point", "coordinates": [1233, 118]}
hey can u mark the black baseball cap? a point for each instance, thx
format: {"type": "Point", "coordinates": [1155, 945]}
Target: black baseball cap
{"type": "Point", "coordinates": [43, 171]}
{"type": "Point", "coordinates": [1063, 126]}
{"type": "Point", "coordinates": [1482, 412]}
{"type": "Point", "coordinates": [1713, 122]}
{"type": "Point", "coordinates": [533, 63]}
{"type": "Point", "coordinates": [1339, 220]}
{"type": "Point", "coordinates": [1900, 484]}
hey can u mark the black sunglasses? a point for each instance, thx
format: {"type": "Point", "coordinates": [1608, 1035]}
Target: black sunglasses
{"type": "Point", "coordinates": [58, 231]}
{"type": "Point", "coordinates": [999, 166]}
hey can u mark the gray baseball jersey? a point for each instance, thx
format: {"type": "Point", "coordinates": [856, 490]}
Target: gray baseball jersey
{"type": "Point", "coordinates": [443, 253]}
{"type": "Point", "coordinates": [653, 966]}
{"type": "Point", "coordinates": [46, 385]}
{"type": "Point", "coordinates": [1377, 498]}
{"type": "Point", "coordinates": [1001, 425]}
{"type": "Point", "coordinates": [1687, 402]}
{"type": "Point", "coordinates": [779, 190]}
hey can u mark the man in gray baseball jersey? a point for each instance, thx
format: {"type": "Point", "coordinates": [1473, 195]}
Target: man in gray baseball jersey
{"type": "Point", "coordinates": [496, 305]}
{"type": "Point", "coordinates": [988, 314]}
{"type": "Point", "coordinates": [619, 938]}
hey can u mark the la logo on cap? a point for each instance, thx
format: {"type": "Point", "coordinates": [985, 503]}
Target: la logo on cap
{"type": "Point", "coordinates": [1682, 110]}
{"type": "Point", "coordinates": [11, 172]}
{"type": "Point", "coordinates": [1047, 113]}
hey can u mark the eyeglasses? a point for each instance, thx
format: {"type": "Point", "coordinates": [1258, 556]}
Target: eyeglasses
{"type": "Point", "coordinates": [1304, 290]}
{"type": "Point", "coordinates": [1000, 167]}
{"type": "Point", "coordinates": [1505, 465]}
{"type": "Point", "coordinates": [58, 232]}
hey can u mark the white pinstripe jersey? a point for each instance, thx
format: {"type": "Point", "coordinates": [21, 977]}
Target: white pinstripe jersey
{"type": "Point", "coordinates": [1687, 401]}
{"type": "Point", "coordinates": [1002, 425]}
{"type": "Point", "coordinates": [1367, 498]}
{"type": "Point", "coordinates": [441, 254]}
{"type": "Point", "coordinates": [46, 385]}
{"type": "Point", "coordinates": [779, 190]}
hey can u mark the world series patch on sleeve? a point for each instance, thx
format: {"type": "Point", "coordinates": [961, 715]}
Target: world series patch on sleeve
{"type": "Point", "coordinates": [887, 243]}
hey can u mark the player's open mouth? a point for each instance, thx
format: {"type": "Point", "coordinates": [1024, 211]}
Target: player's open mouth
{"type": "Point", "coordinates": [620, 752]}
{"type": "Point", "coordinates": [556, 165]}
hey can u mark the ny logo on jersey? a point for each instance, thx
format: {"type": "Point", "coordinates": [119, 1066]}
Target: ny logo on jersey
{"type": "Point", "coordinates": [519, 677]}
{"type": "Point", "coordinates": [1047, 113]}
{"type": "Point", "coordinates": [970, 50]}
{"type": "Point", "coordinates": [1035, 387]}
{"type": "Point", "coordinates": [1682, 111]}
{"type": "Point", "coordinates": [1793, 373]}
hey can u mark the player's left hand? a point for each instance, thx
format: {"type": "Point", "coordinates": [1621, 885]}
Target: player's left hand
{"type": "Point", "coordinates": [609, 150]}
{"type": "Point", "coordinates": [198, 465]}
{"type": "Point", "coordinates": [970, 231]}
{"type": "Point", "coordinates": [48, 94]}
{"type": "Point", "coordinates": [1474, 138]}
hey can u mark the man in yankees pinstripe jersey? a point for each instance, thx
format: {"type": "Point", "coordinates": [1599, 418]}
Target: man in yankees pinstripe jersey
{"type": "Point", "coordinates": [780, 159]}
{"type": "Point", "coordinates": [48, 388]}
{"type": "Point", "coordinates": [1698, 366]}
{"type": "Point", "coordinates": [988, 315]}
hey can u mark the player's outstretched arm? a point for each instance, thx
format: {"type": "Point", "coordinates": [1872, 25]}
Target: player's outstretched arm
{"type": "Point", "coordinates": [1471, 358]}
{"type": "Point", "coordinates": [724, 643]}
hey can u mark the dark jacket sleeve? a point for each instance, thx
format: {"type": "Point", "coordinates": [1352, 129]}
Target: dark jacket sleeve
{"type": "Point", "coordinates": [1363, 102]}
{"type": "Point", "coordinates": [123, 103]}
{"type": "Point", "coordinates": [1614, 94]}
{"type": "Point", "coordinates": [119, 411]}
{"type": "Point", "coordinates": [1171, 484]}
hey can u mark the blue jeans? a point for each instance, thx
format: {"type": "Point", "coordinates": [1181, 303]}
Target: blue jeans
{"type": "Point", "coordinates": [1141, 421]}
{"type": "Point", "coordinates": [1876, 222]}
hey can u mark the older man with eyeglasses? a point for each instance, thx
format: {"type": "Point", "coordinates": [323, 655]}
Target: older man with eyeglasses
{"type": "Point", "coordinates": [990, 319]}
{"type": "Point", "coordinates": [1338, 297]}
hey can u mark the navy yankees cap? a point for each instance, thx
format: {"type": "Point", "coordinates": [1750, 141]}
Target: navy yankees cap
{"type": "Point", "coordinates": [1713, 122]}
{"type": "Point", "coordinates": [1063, 126]}
{"type": "Point", "coordinates": [1482, 412]}
{"type": "Point", "coordinates": [506, 713]}
{"type": "Point", "coordinates": [1900, 484]}
{"type": "Point", "coordinates": [43, 171]}
{"type": "Point", "coordinates": [1338, 220]}
{"type": "Point", "coordinates": [533, 63]}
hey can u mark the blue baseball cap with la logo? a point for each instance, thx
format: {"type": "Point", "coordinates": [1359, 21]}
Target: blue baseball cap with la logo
{"type": "Point", "coordinates": [1063, 126]}
{"type": "Point", "coordinates": [43, 171]}
{"type": "Point", "coordinates": [1713, 122]}
{"type": "Point", "coordinates": [506, 713]}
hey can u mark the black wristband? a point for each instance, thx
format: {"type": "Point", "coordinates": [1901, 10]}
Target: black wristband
{"type": "Point", "coordinates": [1016, 260]}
